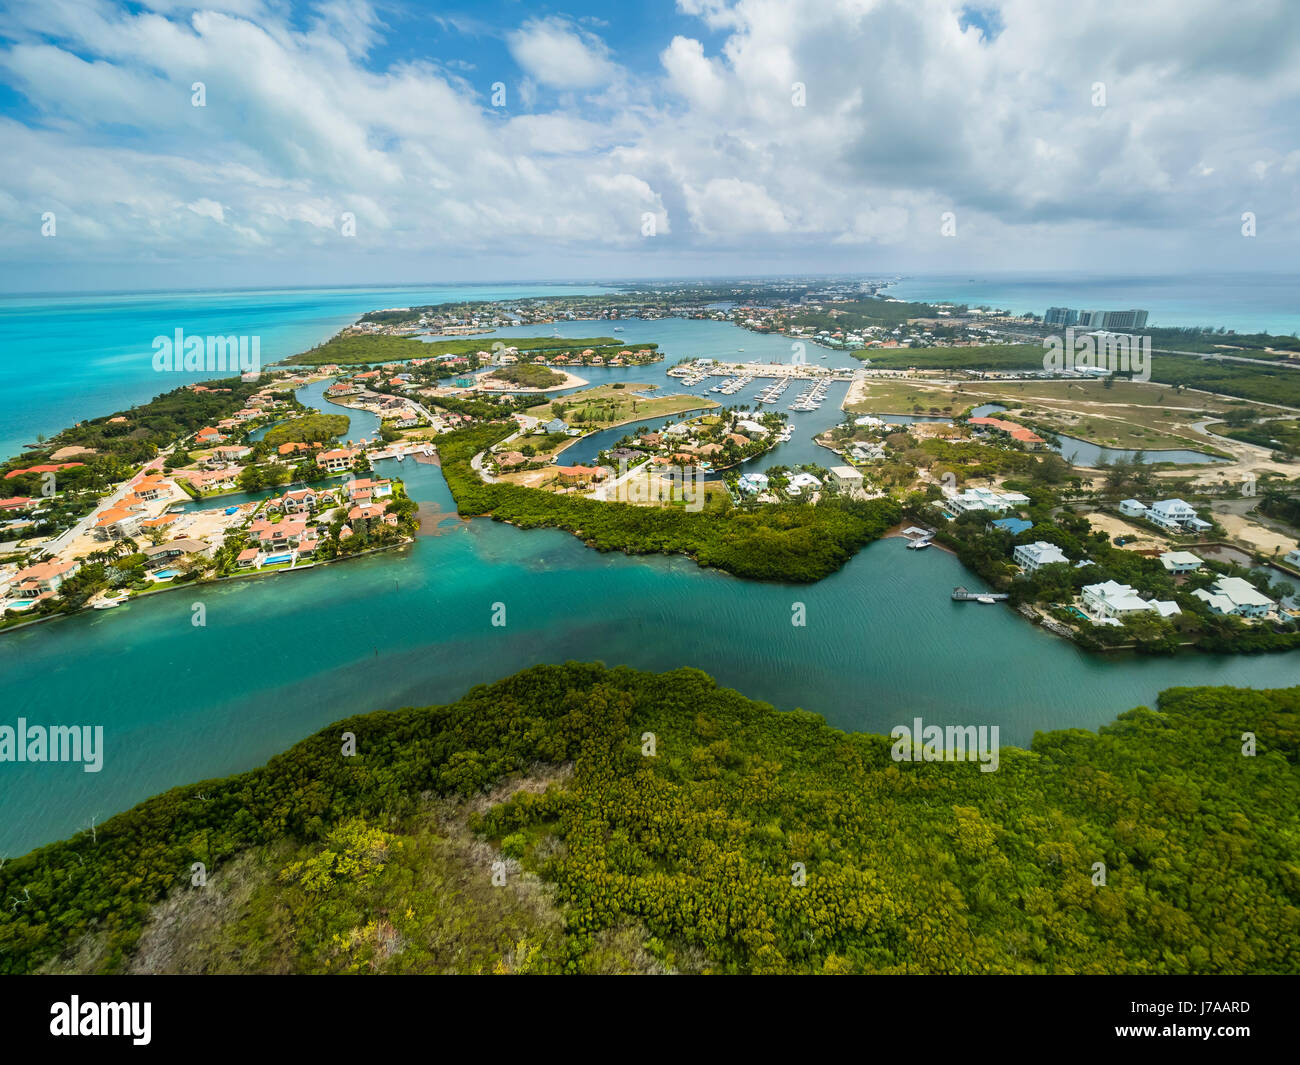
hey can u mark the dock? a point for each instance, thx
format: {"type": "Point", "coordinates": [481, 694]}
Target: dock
{"type": "Point", "coordinates": [962, 595]}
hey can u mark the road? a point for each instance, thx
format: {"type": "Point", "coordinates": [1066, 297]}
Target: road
{"type": "Point", "coordinates": [84, 524]}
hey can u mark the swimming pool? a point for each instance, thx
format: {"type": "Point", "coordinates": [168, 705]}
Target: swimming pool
{"type": "Point", "coordinates": [275, 560]}
{"type": "Point", "coordinates": [166, 574]}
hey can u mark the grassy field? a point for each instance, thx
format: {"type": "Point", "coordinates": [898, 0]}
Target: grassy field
{"type": "Point", "coordinates": [362, 349]}
{"type": "Point", "coordinates": [1127, 415]}
{"type": "Point", "coordinates": [1261, 383]}
{"type": "Point", "coordinates": [606, 405]}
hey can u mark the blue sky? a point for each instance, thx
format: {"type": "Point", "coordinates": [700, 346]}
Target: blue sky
{"type": "Point", "coordinates": [354, 142]}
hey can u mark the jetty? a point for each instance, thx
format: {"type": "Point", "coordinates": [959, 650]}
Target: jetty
{"type": "Point", "coordinates": [962, 595]}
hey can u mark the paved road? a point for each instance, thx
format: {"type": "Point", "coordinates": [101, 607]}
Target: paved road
{"type": "Point", "coordinates": [84, 525]}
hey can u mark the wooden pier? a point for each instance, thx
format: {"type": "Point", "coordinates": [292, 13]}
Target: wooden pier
{"type": "Point", "coordinates": [962, 595]}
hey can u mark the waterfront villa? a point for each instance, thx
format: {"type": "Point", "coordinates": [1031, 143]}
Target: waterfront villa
{"type": "Point", "coordinates": [43, 579]}
{"type": "Point", "coordinates": [299, 501]}
{"type": "Point", "coordinates": [1030, 557]}
{"type": "Point", "coordinates": [377, 489]}
{"type": "Point", "coordinates": [1181, 562]}
{"type": "Point", "coordinates": [1111, 601]}
{"type": "Point", "coordinates": [174, 549]}
{"type": "Point", "coordinates": [1233, 595]}
{"type": "Point", "coordinates": [752, 483]}
{"type": "Point", "coordinates": [868, 452]}
{"type": "Point", "coordinates": [337, 460]}
{"type": "Point", "coordinates": [271, 536]}
{"type": "Point", "coordinates": [1133, 508]}
{"type": "Point", "coordinates": [370, 512]}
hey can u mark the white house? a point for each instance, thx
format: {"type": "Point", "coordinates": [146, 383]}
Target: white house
{"type": "Point", "coordinates": [845, 478]}
{"type": "Point", "coordinates": [800, 481]}
{"type": "Point", "coordinates": [750, 483]}
{"type": "Point", "coordinates": [984, 499]}
{"type": "Point", "coordinates": [1111, 600]}
{"type": "Point", "coordinates": [1175, 515]}
{"type": "Point", "coordinates": [1029, 557]}
{"type": "Point", "coordinates": [1292, 557]}
{"type": "Point", "coordinates": [1133, 508]}
{"type": "Point", "coordinates": [1233, 595]}
{"type": "Point", "coordinates": [1180, 562]}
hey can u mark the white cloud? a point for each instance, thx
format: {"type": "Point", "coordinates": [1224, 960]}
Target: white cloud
{"type": "Point", "coordinates": [906, 116]}
{"type": "Point", "coordinates": [557, 54]}
{"type": "Point", "coordinates": [207, 209]}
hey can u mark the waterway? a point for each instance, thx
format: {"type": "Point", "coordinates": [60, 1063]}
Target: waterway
{"type": "Point", "coordinates": [282, 656]}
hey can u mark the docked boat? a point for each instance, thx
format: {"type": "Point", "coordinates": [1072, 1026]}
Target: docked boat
{"type": "Point", "coordinates": [108, 604]}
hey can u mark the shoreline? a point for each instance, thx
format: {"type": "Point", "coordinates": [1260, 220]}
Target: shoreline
{"type": "Point", "coordinates": [243, 575]}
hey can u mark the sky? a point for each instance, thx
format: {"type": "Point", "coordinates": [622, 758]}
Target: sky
{"type": "Point", "coordinates": [155, 144]}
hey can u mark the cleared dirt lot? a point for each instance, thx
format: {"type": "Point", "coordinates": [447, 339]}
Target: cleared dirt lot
{"type": "Point", "coordinates": [1113, 525]}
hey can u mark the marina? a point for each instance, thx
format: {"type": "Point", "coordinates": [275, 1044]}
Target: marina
{"type": "Point", "coordinates": [773, 392]}
{"type": "Point", "coordinates": [810, 398]}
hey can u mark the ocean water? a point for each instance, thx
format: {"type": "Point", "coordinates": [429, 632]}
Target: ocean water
{"type": "Point", "coordinates": [64, 358]}
{"type": "Point", "coordinates": [1247, 303]}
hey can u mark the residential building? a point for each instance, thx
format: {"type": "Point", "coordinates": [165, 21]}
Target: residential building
{"type": "Point", "coordinates": [1017, 433]}
{"type": "Point", "coordinates": [796, 484]}
{"type": "Point", "coordinates": [580, 474]}
{"type": "Point", "coordinates": [1015, 526]}
{"type": "Point", "coordinates": [1113, 601]}
{"type": "Point", "coordinates": [1030, 557]}
{"type": "Point", "coordinates": [117, 523]}
{"type": "Point", "coordinates": [1181, 562]}
{"type": "Point", "coordinates": [43, 579]}
{"type": "Point", "coordinates": [1175, 515]}
{"type": "Point", "coordinates": [1133, 508]}
{"type": "Point", "coordinates": [984, 499]}
{"type": "Point", "coordinates": [337, 460]}
{"type": "Point", "coordinates": [174, 549]}
{"type": "Point", "coordinates": [845, 478]}
{"type": "Point", "coordinates": [1234, 595]}
{"type": "Point", "coordinates": [299, 501]}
